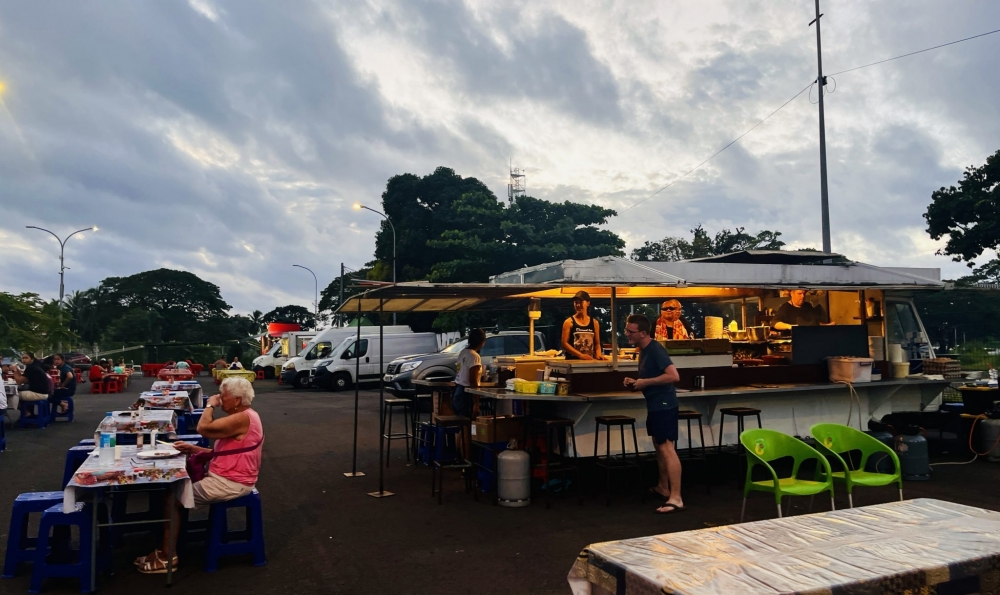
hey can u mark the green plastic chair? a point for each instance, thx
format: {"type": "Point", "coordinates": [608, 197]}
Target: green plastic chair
{"type": "Point", "coordinates": [835, 440]}
{"type": "Point", "coordinates": [764, 446]}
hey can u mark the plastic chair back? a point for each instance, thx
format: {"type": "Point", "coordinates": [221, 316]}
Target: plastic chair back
{"type": "Point", "coordinates": [836, 440]}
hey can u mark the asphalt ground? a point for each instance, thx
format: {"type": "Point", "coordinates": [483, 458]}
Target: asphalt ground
{"type": "Point", "coordinates": [325, 534]}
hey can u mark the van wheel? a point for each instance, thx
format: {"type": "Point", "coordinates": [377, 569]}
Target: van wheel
{"type": "Point", "coordinates": [341, 381]}
{"type": "Point", "coordinates": [269, 372]}
{"type": "Point", "coordinates": [302, 380]}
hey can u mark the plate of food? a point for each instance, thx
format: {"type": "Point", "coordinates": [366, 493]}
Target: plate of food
{"type": "Point", "coordinates": [162, 453]}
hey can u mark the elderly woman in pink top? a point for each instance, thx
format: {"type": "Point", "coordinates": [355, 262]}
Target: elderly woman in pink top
{"type": "Point", "coordinates": [239, 437]}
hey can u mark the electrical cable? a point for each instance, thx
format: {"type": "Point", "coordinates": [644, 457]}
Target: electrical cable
{"type": "Point", "coordinates": [737, 139]}
{"type": "Point", "coordinates": [809, 86]}
{"type": "Point", "coordinates": [917, 52]}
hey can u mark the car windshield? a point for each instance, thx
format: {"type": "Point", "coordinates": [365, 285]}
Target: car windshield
{"type": "Point", "coordinates": [456, 347]}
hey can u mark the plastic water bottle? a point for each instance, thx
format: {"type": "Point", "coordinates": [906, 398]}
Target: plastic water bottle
{"type": "Point", "coordinates": [107, 444]}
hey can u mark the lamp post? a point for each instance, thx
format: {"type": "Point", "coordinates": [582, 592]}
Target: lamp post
{"type": "Point", "coordinates": [316, 282]}
{"type": "Point", "coordinates": [359, 206]}
{"type": "Point", "coordinates": [62, 264]}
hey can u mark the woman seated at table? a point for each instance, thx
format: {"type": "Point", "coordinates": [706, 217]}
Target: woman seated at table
{"type": "Point", "coordinates": [230, 474]}
{"type": "Point", "coordinates": [183, 365]}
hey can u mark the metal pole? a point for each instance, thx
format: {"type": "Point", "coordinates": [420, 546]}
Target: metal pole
{"type": "Point", "coordinates": [381, 493]}
{"type": "Point", "coordinates": [393, 228]}
{"type": "Point", "coordinates": [62, 267]}
{"type": "Point", "coordinates": [614, 333]}
{"type": "Point", "coordinates": [340, 302]}
{"type": "Point", "coordinates": [824, 193]}
{"type": "Point", "coordinates": [316, 284]}
{"type": "Point", "coordinates": [357, 371]}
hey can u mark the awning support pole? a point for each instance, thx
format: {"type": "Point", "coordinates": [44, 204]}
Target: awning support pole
{"type": "Point", "coordinates": [357, 371]}
{"type": "Point", "coordinates": [381, 493]}
{"type": "Point", "coordinates": [614, 333]}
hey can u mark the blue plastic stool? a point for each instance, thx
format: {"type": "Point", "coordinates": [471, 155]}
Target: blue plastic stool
{"type": "Point", "coordinates": [445, 443]}
{"type": "Point", "coordinates": [69, 563]}
{"type": "Point", "coordinates": [3, 436]}
{"type": "Point", "coordinates": [69, 410]}
{"type": "Point", "coordinates": [222, 542]}
{"type": "Point", "coordinates": [425, 442]}
{"type": "Point", "coordinates": [182, 423]}
{"type": "Point", "coordinates": [39, 408]}
{"type": "Point", "coordinates": [193, 418]}
{"type": "Point", "coordinates": [75, 457]}
{"type": "Point", "coordinates": [87, 442]}
{"type": "Point", "coordinates": [20, 547]}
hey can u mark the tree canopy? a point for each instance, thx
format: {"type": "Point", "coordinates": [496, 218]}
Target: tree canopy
{"type": "Point", "coordinates": [702, 245]}
{"type": "Point", "coordinates": [453, 229]}
{"type": "Point", "coordinates": [968, 214]}
{"type": "Point", "coordinates": [291, 313]}
{"type": "Point", "coordinates": [29, 323]}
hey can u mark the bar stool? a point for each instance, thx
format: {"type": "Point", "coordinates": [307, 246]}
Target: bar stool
{"type": "Point", "coordinates": [553, 430]}
{"type": "Point", "coordinates": [739, 413]}
{"type": "Point", "coordinates": [454, 426]}
{"type": "Point", "coordinates": [611, 462]}
{"type": "Point", "coordinates": [690, 453]}
{"type": "Point", "coordinates": [389, 406]}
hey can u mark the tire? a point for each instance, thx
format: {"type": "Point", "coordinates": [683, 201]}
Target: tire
{"type": "Point", "coordinates": [302, 380]}
{"type": "Point", "coordinates": [340, 381]}
{"type": "Point", "coordinates": [269, 372]}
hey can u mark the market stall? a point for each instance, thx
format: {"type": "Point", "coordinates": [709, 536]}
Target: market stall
{"type": "Point", "coordinates": [739, 350]}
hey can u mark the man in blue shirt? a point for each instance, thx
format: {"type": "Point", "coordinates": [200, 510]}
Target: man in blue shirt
{"type": "Point", "coordinates": [657, 375]}
{"type": "Point", "coordinates": [67, 383]}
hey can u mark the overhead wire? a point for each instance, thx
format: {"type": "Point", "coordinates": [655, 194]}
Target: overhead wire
{"type": "Point", "coordinates": [809, 87]}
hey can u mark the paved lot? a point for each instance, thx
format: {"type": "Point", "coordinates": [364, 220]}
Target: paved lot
{"type": "Point", "coordinates": [325, 535]}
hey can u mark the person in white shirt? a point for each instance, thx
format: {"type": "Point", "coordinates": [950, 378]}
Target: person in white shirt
{"type": "Point", "coordinates": [469, 369]}
{"type": "Point", "coordinates": [236, 365]}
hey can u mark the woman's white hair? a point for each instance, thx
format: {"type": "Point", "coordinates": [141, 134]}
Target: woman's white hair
{"type": "Point", "coordinates": [237, 386]}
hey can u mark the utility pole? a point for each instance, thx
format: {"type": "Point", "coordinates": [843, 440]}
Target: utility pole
{"type": "Point", "coordinates": [824, 193]}
{"type": "Point", "coordinates": [340, 302]}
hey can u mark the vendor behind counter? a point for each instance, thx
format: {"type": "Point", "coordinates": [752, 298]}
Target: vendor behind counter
{"type": "Point", "coordinates": [798, 312]}
{"type": "Point", "coordinates": [581, 333]}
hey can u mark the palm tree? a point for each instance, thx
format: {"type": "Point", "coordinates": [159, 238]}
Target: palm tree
{"type": "Point", "coordinates": [257, 318]}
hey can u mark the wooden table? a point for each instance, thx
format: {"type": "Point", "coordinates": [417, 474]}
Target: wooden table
{"type": "Point", "coordinates": [915, 546]}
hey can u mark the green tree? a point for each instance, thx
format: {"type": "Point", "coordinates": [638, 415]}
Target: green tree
{"type": "Point", "coordinates": [294, 314]}
{"type": "Point", "coordinates": [188, 307]}
{"type": "Point", "coordinates": [28, 323]}
{"type": "Point", "coordinates": [969, 215]}
{"type": "Point", "coordinates": [702, 245]}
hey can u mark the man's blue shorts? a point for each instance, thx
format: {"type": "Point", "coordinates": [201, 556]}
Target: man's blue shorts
{"type": "Point", "coordinates": [662, 425]}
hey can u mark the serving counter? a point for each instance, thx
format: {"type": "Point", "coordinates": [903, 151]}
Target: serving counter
{"type": "Point", "coordinates": [791, 408]}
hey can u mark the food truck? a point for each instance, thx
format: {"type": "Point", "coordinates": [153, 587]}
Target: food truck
{"type": "Point", "coordinates": [739, 354]}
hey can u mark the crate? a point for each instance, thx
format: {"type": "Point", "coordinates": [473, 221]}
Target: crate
{"type": "Point", "coordinates": [947, 367]}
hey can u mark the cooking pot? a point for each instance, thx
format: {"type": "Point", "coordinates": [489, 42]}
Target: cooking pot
{"type": "Point", "coordinates": [758, 333]}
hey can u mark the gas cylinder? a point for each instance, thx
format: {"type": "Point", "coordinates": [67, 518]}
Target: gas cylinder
{"type": "Point", "coordinates": [913, 458]}
{"type": "Point", "coordinates": [989, 434]}
{"type": "Point", "coordinates": [880, 462]}
{"type": "Point", "coordinates": [514, 478]}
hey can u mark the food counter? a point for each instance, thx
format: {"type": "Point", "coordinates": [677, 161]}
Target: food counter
{"type": "Point", "coordinates": [791, 407]}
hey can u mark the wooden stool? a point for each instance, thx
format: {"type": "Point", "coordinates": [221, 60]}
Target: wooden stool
{"type": "Point", "coordinates": [390, 404]}
{"type": "Point", "coordinates": [553, 428]}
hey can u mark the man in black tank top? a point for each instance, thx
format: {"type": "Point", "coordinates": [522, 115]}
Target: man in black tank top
{"type": "Point", "coordinates": [581, 334]}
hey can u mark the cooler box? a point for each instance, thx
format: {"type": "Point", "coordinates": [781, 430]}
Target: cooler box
{"type": "Point", "coordinates": [850, 369]}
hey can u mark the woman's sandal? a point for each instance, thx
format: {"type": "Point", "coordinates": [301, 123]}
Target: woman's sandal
{"type": "Point", "coordinates": [153, 563]}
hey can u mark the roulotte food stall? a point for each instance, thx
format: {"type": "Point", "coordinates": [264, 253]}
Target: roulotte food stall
{"type": "Point", "coordinates": [782, 373]}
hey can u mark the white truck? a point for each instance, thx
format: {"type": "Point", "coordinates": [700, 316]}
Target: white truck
{"type": "Point", "coordinates": [288, 345]}
{"type": "Point", "coordinates": [297, 370]}
{"type": "Point", "coordinates": [366, 359]}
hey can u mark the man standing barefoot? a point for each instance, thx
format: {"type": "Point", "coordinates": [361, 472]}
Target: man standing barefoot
{"type": "Point", "coordinates": [657, 375]}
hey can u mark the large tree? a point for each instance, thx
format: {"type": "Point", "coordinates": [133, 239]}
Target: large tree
{"type": "Point", "coordinates": [969, 215]}
{"type": "Point", "coordinates": [702, 244]}
{"type": "Point", "coordinates": [29, 323]}
{"type": "Point", "coordinates": [292, 313]}
{"type": "Point", "coordinates": [453, 229]}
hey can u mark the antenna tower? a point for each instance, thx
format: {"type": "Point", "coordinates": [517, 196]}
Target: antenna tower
{"type": "Point", "coordinates": [515, 187]}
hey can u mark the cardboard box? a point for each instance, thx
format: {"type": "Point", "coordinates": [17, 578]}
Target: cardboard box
{"type": "Point", "coordinates": [504, 429]}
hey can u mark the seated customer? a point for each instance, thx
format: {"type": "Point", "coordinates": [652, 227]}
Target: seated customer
{"type": "Point", "coordinates": [239, 437]}
{"type": "Point", "coordinates": [220, 364]}
{"type": "Point", "coordinates": [34, 380]}
{"type": "Point", "coordinates": [236, 365]}
{"type": "Point", "coordinates": [67, 383]}
{"type": "Point", "coordinates": [96, 373]}
{"type": "Point", "coordinates": [183, 365]}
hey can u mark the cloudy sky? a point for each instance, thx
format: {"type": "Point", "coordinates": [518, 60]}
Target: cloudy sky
{"type": "Point", "coordinates": [231, 138]}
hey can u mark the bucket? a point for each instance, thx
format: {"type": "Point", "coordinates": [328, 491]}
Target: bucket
{"type": "Point", "coordinates": [900, 369]}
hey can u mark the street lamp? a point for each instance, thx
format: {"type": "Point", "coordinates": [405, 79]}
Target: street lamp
{"type": "Point", "coordinates": [62, 263]}
{"type": "Point", "coordinates": [315, 303]}
{"type": "Point", "coordinates": [359, 206]}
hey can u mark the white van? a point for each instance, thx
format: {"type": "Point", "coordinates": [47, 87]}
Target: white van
{"type": "Point", "coordinates": [296, 370]}
{"type": "Point", "coordinates": [363, 356]}
{"type": "Point", "coordinates": [289, 345]}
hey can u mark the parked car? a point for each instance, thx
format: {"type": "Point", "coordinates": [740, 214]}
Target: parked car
{"type": "Point", "coordinates": [75, 358]}
{"type": "Point", "coordinates": [297, 371]}
{"type": "Point", "coordinates": [401, 372]}
{"type": "Point", "coordinates": [363, 357]}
